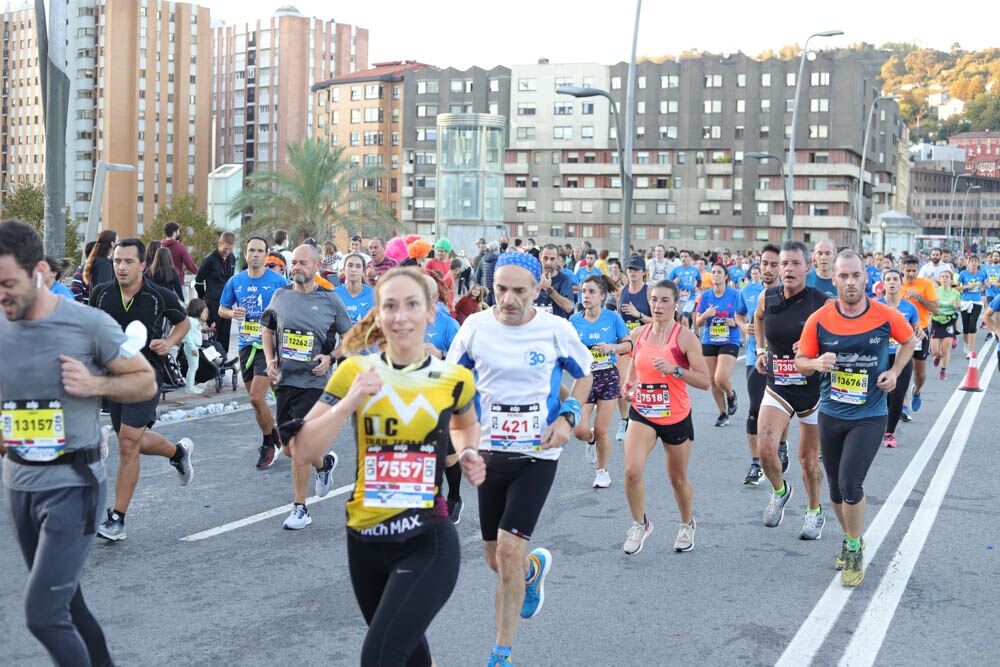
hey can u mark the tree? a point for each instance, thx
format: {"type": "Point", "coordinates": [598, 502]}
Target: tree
{"type": "Point", "coordinates": [26, 201]}
{"type": "Point", "coordinates": [320, 190]}
{"type": "Point", "coordinates": [197, 234]}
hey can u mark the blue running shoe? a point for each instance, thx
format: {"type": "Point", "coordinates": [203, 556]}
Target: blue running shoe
{"type": "Point", "coordinates": [534, 591]}
{"type": "Point", "coordinates": [497, 660]}
{"type": "Point", "coordinates": [916, 402]}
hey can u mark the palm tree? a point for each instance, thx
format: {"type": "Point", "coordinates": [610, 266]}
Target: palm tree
{"type": "Point", "coordinates": [320, 189]}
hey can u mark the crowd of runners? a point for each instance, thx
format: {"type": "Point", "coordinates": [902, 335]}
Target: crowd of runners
{"type": "Point", "coordinates": [446, 363]}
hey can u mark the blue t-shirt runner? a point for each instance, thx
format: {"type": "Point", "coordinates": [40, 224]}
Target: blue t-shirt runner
{"type": "Point", "coordinates": [357, 306]}
{"type": "Point", "coordinates": [746, 304]}
{"type": "Point", "coordinates": [717, 330]}
{"type": "Point", "coordinates": [609, 328]}
{"type": "Point", "coordinates": [253, 295]}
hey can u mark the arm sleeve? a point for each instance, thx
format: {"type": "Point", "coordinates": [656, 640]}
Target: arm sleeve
{"type": "Point", "coordinates": [104, 273]}
{"type": "Point", "coordinates": [901, 330]}
{"type": "Point", "coordinates": [808, 342]}
{"type": "Point", "coordinates": [199, 279]}
{"type": "Point", "coordinates": [621, 329]}
{"type": "Point", "coordinates": [468, 392]}
{"type": "Point", "coordinates": [228, 298]}
{"type": "Point", "coordinates": [188, 262]}
{"type": "Point", "coordinates": [173, 310]}
{"type": "Point", "coordinates": [340, 382]}
{"type": "Point", "coordinates": [108, 337]}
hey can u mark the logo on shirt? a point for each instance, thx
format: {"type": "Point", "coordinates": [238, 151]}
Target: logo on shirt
{"type": "Point", "coordinates": [875, 341]}
{"type": "Point", "coordinates": [534, 358]}
{"type": "Point", "coordinates": [406, 411]}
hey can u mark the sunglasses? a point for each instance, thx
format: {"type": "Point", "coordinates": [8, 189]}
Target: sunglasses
{"type": "Point", "coordinates": [274, 265]}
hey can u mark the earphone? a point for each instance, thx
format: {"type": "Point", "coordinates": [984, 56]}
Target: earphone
{"type": "Point", "coordinates": [38, 280]}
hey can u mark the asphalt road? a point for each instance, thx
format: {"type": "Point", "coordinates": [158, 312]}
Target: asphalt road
{"type": "Point", "coordinates": [208, 576]}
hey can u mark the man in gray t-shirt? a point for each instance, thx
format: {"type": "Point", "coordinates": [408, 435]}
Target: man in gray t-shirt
{"type": "Point", "coordinates": [51, 381]}
{"type": "Point", "coordinates": [299, 331]}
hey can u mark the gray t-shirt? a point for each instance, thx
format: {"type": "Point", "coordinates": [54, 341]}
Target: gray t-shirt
{"type": "Point", "coordinates": [31, 371]}
{"type": "Point", "coordinates": [304, 325]}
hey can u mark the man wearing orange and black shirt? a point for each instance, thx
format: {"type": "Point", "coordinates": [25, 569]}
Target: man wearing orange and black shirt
{"type": "Point", "coordinates": [922, 293]}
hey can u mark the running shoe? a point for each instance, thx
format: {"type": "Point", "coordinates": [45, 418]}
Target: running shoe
{"type": "Point", "coordinates": [324, 477]}
{"type": "Point", "coordinates": [298, 519]}
{"type": "Point", "coordinates": [455, 508]}
{"type": "Point", "coordinates": [602, 479]}
{"type": "Point", "coordinates": [268, 453]}
{"type": "Point", "coordinates": [534, 590]}
{"type": "Point", "coordinates": [685, 536]}
{"type": "Point", "coordinates": [592, 452]}
{"type": "Point", "coordinates": [968, 355]}
{"type": "Point", "coordinates": [943, 374]}
{"type": "Point", "coordinates": [937, 360]}
{"type": "Point", "coordinates": [989, 336]}
{"type": "Point", "coordinates": [113, 528]}
{"type": "Point", "coordinates": [775, 511]}
{"type": "Point", "coordinates": [839, 564]}
{"type": "Point", "coordinates": [723, 419]}
{"type": "Point", "coordinates": [916, 402]}
{"type": "Point", "coordinates": [783, 455]}
{"type": "Point", "coordinates": [954, 343]}
{"type": "Point", "coordinates": [731, 405]}
{"type": "Point", "coordinates": [812, 526]}
{"type": "Point", "coordinates": [754, 475]}
{"type": "Point", "coordinates": [905, 415]}
{"type": "Point", "coordinates": [889, 440]}
{"type": "Point", "coordinates": [635, 537]}
{"type": "Point", "coordinates": [853, 574]}
{"type": "Point", "coordinates": [106, 432]}
{"type": "Point", "coordinates": [194, 389]}
{"type": "Point", "coordinates": [184, 467]}
{"type": "Point", "coordinates": [497, 660]}
{"type": "Point", "coordinates": [622, 427]}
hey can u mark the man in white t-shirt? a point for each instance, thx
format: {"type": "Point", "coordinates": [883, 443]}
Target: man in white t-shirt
{"type": "Point", "coordinates": [658, 268]}
{"type": "Point", "coordinates": [932, 270]}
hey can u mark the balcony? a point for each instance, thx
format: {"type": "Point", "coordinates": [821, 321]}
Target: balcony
{"type": "Point", "coordinates": [588, 168]}
{"type": "Point", "coordinates": [406, 216]}
{"type": "Point", "coordinates": [515, 193]}
{"type": "Point", "coordinates": [407, 168]}
{"type": "Point", "coordinates": [719, 169]}
{"type": "Point", "coordinates": [659, 194]}
{"type": "Point", "coordinates": [719, 195]}
{"type": "Point", "coordinates": [651, 169]}
{"type": "Point", "coordinates": [828, 169]}
{"type": "Point", "coordinates": [590, 193]}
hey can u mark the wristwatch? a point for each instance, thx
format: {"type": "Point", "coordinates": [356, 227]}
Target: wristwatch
{"type": "Point", "coordinates": [569, 417]}
{"type": "Point", "coordinates": [678, 372]}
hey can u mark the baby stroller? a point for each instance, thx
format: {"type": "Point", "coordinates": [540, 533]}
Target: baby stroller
{"type": "Point", "coordinates": [212, 364]}
{"type": "Point", "coordinates": [171, 375]}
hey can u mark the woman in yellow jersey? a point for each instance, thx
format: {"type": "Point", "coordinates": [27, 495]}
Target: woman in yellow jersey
{"type": "Point", "coordinates": [406, 407]}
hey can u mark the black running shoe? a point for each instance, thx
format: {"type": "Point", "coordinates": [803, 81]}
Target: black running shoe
{"type": "Point", "coordinates": [268, 452]}
{"type": "Point", "coordinates": [723, 419]}
{"type": "Point", "coordinates": [455, 508]}
{"type": "Point", "coordinates": [731, 403]}
{"type": "Point", "coordinates": [783, 455]}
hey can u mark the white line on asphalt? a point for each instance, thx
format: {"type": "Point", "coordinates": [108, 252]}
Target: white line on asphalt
{"type": "Point", "coordinates": [870, 632]}
{"type": "Point", "coordinates": [813, 632]}
{"type": "Point", "coordinates": [262, 516]}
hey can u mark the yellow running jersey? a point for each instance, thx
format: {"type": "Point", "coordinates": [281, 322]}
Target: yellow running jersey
{"type": "Point", "coordinates": [402, 433]}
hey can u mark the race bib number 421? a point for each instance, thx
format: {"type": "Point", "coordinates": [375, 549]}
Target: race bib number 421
{"type": "Point", "coordinates": [516, 428]}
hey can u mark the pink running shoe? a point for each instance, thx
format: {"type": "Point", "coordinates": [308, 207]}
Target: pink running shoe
{"type": "Point", "coordinates": [890, 440]}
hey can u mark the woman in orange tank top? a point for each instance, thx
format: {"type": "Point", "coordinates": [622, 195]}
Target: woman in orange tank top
{"type": "Point", "coordinates": [666, 359]}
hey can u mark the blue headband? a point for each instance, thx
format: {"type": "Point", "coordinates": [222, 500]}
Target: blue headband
{"type": "Point", "coordinates": [524, 260]}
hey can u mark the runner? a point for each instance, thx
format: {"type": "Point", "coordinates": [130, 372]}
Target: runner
{"type": "Point", "coordinates": [849, 341]}
{"type": "Point", "coordinates": [992, 269]}
{"type": "Point", "coordinates": [922, 293]}
{"type": "Point", "coordinates": [633, 305]}
{"type": "Point", "coordinates": [973, 281]}
{"type": "Point", "coordinates": [821, 276]}
{"type": "Point", "coordinates": [746, 305]}
{"type": "Point", "coordinates": [54, 479]}
{"type": "Point", "coordinates": [556, 294]}
{"type": "Point", "coordinates": [402, 551]}
{"type": "Point", "coordinates": [605, 333]}
{"type": "Point", "coordinates": [720, 343]}
{"type": "Point", "coordinates": [245, 298]}
{"type": "Point", "coordinates": [659, 266]}
{"type": "Point", "coordinates": [688, 280]}
{"type": "Point", "coordinates": [778, 321]}
{"type": "Point", "coordinates": [666, 359]}
{"type": "Point", "coordinates": [130, 298]}
{"type": "Point", "coordinates": [518, 354]}
{"type": "Point", "coordinates": [357, 297]}
{"type": "Point", "coordinates": [944, 323]}
{"type": "Point", "coordinates": [588, 269]}
{"type": "Point", "coordinates": [892, 280]}
{"type": "Point", "coordinates": [299, 333]}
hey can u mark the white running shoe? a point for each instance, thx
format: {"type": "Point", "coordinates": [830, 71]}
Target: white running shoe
{"type": "Point", "coordinates": [635, 537]}
{"type": "Point", "coordinates": [602, 480]}
{"type": "Point", "coordinates": [298, 519]}
{"type": "Point", "coordinates": [592, 453]}
{"type": "Point", "coordinates": [324, 478]}
{"type": "Point", "coordinates": [193, 389]}
{"type": "Point", "coordinates": [185, 469]}
{"type": "Point", "coordinates": [622, 427]}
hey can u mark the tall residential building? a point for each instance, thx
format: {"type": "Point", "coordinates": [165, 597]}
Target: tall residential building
{"type": "Point", "coordinates": [982, 152]}
{"type": "Point", "coordinates": [139, 95]}
{"type": "Point", "coordinates": [263, 74]}
{"type": "Point", "coordinates": [694, 121]}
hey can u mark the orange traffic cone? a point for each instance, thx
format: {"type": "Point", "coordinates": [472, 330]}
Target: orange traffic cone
{"type": "Point", "coordinates": [971, 382]}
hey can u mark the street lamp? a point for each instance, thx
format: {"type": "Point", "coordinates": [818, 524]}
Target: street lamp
{"type": "Point", "coordinates": [784, 185]}
{"type": "Point", "coordinates": [795, 120]}
{"type": "Point", "coordinates": [626, 177]}
{"type": "Point", "coordinates": [964, 204]}
{"type": "Point", "coordinates": [861, 170]}
{"type": "Point", "coordinates": [97, 199]}
{"type": "Point", "coordinates": [883, 238]}
{"type": "Point", "coordinates": [951, 208]}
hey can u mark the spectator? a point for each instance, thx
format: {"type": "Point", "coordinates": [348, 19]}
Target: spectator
{"type": "Point", "coordinates": [381, 262]}
{"type": "Point", "coordinates": [442, 257]}
{"type": "Point", "coordinates": [471, 303]}
{"type": "Point", "coordinates": [178, 251]}
{"type": "Point", "coordinates": [489, 263]}
{"type": "Point", "coordinates": [162, 272]}
{"type": "Point", "coordinates": [99, 268]}
{"type": "Point", "coordinates": [79, 288]}
{"type": "Point", "coordinates": [281, 247]}
{"type": "Point", "coordinates": [218, 267]}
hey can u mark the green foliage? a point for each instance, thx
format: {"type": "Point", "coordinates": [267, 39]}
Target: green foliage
{"type": "Point", "coordinates": [320, 190]}
{"type": "Point", "coordinates": [26, 201]}
{"type": "Point", "coordinates": [197, 234]}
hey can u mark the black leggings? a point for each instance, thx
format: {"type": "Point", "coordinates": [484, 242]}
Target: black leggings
{"type": "Point", "coordinates": [400, 588]}
{"type": "Point", "coordinates": [849, 447]}
{"type": "Point", "coordinates": [970, 318]}
{"type": "Point", "coordinates": [755, 390]}
{"type": "Point", "coordinates": [898, 395]}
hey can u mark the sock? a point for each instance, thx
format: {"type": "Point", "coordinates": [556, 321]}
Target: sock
{"type": "Point", "coordinates": [178, 455]}
{"type": "Point", "coordinates": [501, 650]}
{"type": "Point", "coordinates": [782, 491]}
{"type": "Point", "coordinates": [275, 438]}
{"type": "Point", "coordinates": [533, 567]}
{"type": "Point", "coordinates": [818, 510]}
{"type": "Point", "coordinates": [645, 521]}
{"type": "Point", "coordinates": [120, 516]}
{"type": "Point", "coordinates": [302, 505]}
{"type": "Point", "coordinates": [782, 446]}
{"type": "Point", "coordinates": [756, 460]}
{"type": "Point", "coordinates": [327, 465]}
{"type": "Point", "coordinates": [853, 544]}
{"type": "Point", "coordinates": [453, 474]}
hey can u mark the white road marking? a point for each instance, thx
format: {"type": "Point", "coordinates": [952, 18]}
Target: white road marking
{"type": "Point", "coordinates": [870, 632]}
{"type": "Point", "coordinates": [814, 630]}
{"type": "Point", "coordinates": [262, 516]}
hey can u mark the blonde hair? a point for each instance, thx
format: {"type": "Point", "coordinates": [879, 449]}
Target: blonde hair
{"type": "Point", "coordinates": [366, 334]}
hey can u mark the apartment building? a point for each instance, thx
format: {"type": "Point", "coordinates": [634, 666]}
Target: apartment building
{"type": "Point", "coordinates": [982, 152]}
{"type": "Point", "coordinates": [695, 118]}
{"type": "Point", "coordinates": [975, 206]}
{"type": "Point", "coordinates": [22, 130]}
{"type": "Point", "coordinates": [263, 73]}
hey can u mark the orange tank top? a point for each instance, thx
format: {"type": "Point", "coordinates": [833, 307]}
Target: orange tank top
{"type": "Point", "coordinates": [658, 398]}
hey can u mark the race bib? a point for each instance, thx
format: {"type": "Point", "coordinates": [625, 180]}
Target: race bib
{"type": "Point", "coordinates": [632, 324]}
{"type": "Point", "coordinates": [34, 429]}
{"type": "Point", "coordinates": [893, 345]}
{"type": "Point", "coordinates": [718, 332]}
{"type": "Point", "coordinates": [652, 400]}
{"type": "Point", "coordinates": [516, 428]}
{"type": "Point", "coordinates": [400, 480]}
{"type": "Point", "coordinates": [785, 373]}
{"type": "Point", "coordinates": [919, 345]}
{"type": "Point", "coordinates": [602, 360]}
{"type": "Point", "coordinates": [296, 345]}
{"type": "Point", "coordinates": [849, 388]}
{"type": "Point", "coordinates": [250, 328]}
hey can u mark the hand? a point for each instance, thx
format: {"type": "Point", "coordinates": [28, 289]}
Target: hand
{"type": "Point", "coordinates": [761, 364]}
{"type": "Point", "coordinates": [557, 434]}
{"type": "Point", "coordinates": [749, 328]}
{"type": "Point", "coordinates": [239, 313]}
{"type": "Point", "coordinates": [710, 312]}
{"type": "Point", "coordinates": [887, 381]}
{"type": "Point", "coordinates": [545, 283]}
{"type": "Point", "coordinates": [730, 322]}
{"type": "Point", "coordinates": [365, 384]}
{"type": "Point", "coordinates": [660, 364]}
{"type": "Point", "coordinates": [605, 348]}
{"type": "Point", "coordinates": [630, 310]}
{"type": "Point", "coordinates": [825, 362]}
{"type": "Point", "coordinates": [77, 379]}
{"type": "Point", "coordinates": [159, 346]}
{"type": "Point", "coordinates": [912, 294]}
{"type": "Point", "coordinates": [273, 370]}
{"type": "Point", "coordinates": [474, 468]}
{"type": "Point", "coordinates": [323, 366]}
{"type": "Point", "coordinates": [626, 391]}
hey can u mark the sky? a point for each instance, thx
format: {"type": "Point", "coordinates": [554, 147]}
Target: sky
{"type": "Point", "coordinates": [457, 33]}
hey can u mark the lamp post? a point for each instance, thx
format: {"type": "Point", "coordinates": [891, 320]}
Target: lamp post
{"type": "Point", "coordinates": [626, 177]}
{"type": "Point", "coordinates": [951, 208]}
{"type": "Point", "coordinates": [861, 170]}
{"type": "Point", "coordinates": [789, 199]}
{"type": "Point", "coordinates": [883, 238]}
{"type": "Point", "coordinates": [964, 204]}
{"type": "Point", "coordinates": [784, 186]}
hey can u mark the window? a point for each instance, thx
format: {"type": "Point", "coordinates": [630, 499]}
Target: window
{"type": "Point", "coordinates": [526, 84]}
{"type": "Point", "coordinates": [765, 80]}
{"type": "Point", "coordinates": [640, 233]}
{"type": "Point", "coordinates": [819, 158]}
{"type": "Point", "coordinates": [713, 80]}
{"type": "Point", "coordinates": [563, 109]}
{"type": "Point", "coordinates": [764, 183]}
{"type": "Point", "coordinates": [663, 157]}
{"type": "Point", "coordinates": [739, 131]}
{"type": "Point", "coordinates": [819, 104]}
{"type": "Point", "coordinates": [494, 85]}
{"type": "Point", "coordinates": [640, 207]}
{"type": "Point", "coordinates": [789, 79]}
{"type": "Point", "coordinates": [765, 131]}
{"type": "Point", "coordinates": [819, 131]}
{"type": "Point", "coordinates": [681, 157]}
{"type": "Point", "coordinates": [586, 206]}
{"type": "Point", "coordinates": [711, 132]}
{"type": "Point", "coordinates": [562, 206]}
{"type": "Point", "coordinates": [355, 138]}
{"type": "Point", "coordinates": [668, 106]}
{"type": "Point", "coordinates": [762, 209]}
{"type": "Point", "coordinates": [614, 207]}
{"type": "Point", "coordinates": [373, 92]}
{"type": "Point", "coordinates": [789, 104]}
{"type": "Point", "coordinates": [355, 92]}
{"type": "Point", "coordinates": [669, 81]}
{"type": "Point", "coordinates": [375, 138]}
{"type": "Point", "coordinates": [819, 209]}
{"type": "Point", "coordinates": [395, 138]}
{"type": "Point", "coordinates": [763, 235]}
{"type": "Point", "coordinates": [587, 108]}
{"type": "Point", "coordinates": [587, 132]}
{"type": "Point", "coordinates": [641, 83]}
{"type": "Point", "coordinates": [457, 85]}
{"type": "Point", "coordinates": [709, 208]}
{"type": "Point", "coordinates": [741, 80]}
{"type": "Point", "coordinates": [700, 233]}
{"type": "Point", "coordinates": [562, 132]}
{"type": "Point", "coordinates": [525, 109]}
{"type": "Point", "coordinates": [712, 106]}
{"type": "Point", "coordinates": [820, 78]}
{"type": "Point", "coordinates": [373, 115]}
{"type": "Point", "coordinates": [640, 107]}
{"type": "Point", "coordinates": [425, 110]}
{"type": "Point", "coordinates": [738, 210]}
{"type": "Point", "coordinates": [788, 132]}
{"type": "Point", "coordinates": [525, 132]}
{"type": "Point", "coordinates": [642, 157]}
{"type": "Point", "coordinates": [525, 206]}
{"type": "Point", "coordinates": [561, 81]}
{"type": "Point", "coordinates": [765, 106]}
{"type": "Point", "coordinates": [640, 132]}
{"type": "Point", "coordinates": [616, 83]}
{"type": "Point", "coordinates": [427, 87]}
{"type": "Point", "coordinates": [741, 106]}
{"type": "Point", "coordinates": [678, 182]}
